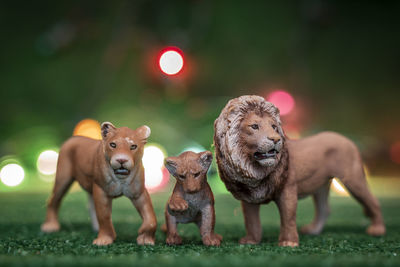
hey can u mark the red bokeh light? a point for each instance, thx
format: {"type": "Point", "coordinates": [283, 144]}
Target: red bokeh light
{"type": "Point", "coordinates": [395, 152]}
{"type": "Point", "coordinates": [282, 100]}
{"type": "Point", "coordinates": [171, 61]}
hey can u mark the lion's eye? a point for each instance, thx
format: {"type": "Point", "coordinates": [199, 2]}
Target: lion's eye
{"type": "Point", "coordinates": [181, 176]}
{"type": "Point", "coordinates": [196, 174]}
{"type": "Point", "coordinates": [113, 145]}
{"type": "Point", "coordinates": [275, 127]}
{"type": "Point", "coordinates": [133, 147]}
{"type": "Point", "coordinates": [254, 126]}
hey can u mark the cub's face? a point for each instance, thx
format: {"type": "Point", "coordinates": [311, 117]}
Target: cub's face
{"type": "Point", "coordinates": [261, 139]}
{"type": "Point", "coordinates": [123, 147]}
{"type": "Point", "coordinates": [190, 169]}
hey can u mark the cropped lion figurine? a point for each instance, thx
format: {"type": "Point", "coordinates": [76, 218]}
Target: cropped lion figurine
{"type": "Point", "coordinates": [258, 164]}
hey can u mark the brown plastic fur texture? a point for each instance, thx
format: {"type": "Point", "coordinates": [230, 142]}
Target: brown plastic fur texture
{"type": "Point", "coordinates": [258, 165]}
{"type": "Point", "coordinates": [192, 199]}
{"type": "Point", "coordinates": [106, 169]}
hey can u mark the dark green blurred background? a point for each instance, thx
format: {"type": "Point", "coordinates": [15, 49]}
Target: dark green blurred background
{"type": "Point", "coordinates": [64, 61]}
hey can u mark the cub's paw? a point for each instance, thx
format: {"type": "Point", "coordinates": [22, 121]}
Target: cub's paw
{"type": "Point", "coordinates": [173, 239]}
{"type": "Point", "coordinates": [178, 205]}
{"type": "Point", "coordinates": [288, 244]}
{"type": "Point", "coordinates": [376, 230]}
{"type": "Point", "coordinates": [103, 240]}
{"type": "Point", "coordinates": [248, 240]}
{"type": "Point", "coordinates": [145, 239]}
{"type": "Point", "coordinates": [212, 240]}
{"type": "Point", "coordinates": [310, 229]}
{"type": "Point", "coordinates": [50, 227]}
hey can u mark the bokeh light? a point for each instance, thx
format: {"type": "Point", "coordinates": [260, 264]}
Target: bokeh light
{"type": "Point", "coordinates": [171, 61]}
{"type": "Point", "coordinates": [12, 174]}
{"type": "Point", "coordinates": [395, 152]}
{"type": "Point", "coordinates": [89, 128]}
{"type": "Point", "coordinates": [47, 162]}
{"type": "Point", "coordinates": [282, 100]}
{"type": "Point", "coordinates": [194, 147]}
{"type": "Point", "coordinates": [153, 163]}
{"type": "Point", "coordinates": [338, 188]}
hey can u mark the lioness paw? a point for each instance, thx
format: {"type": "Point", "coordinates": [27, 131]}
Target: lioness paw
{"type": "Point", "coordinates": [178, 205]}
{"type": "Point", "coordinates": [50, 227]}
{"type": "Point", "coordinates": [103, 241]}
{"type": "Point", "coordinates": [145, 239]}
{"type": "Point", "coordinates": [288, 244]}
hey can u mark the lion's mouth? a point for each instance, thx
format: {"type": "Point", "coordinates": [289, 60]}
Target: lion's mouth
{"type": "Point", "coordinates": [266, 155]}
{"type": "Point", "coordinates": [121, 171]}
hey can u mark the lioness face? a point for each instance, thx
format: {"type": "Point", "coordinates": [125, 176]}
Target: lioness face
{"type": "Point", "coordinates": [190, 169]}
{"type": "Point", "coordinates": [261, 140]}
{"type": "Point", "coordinates": [123, 147]}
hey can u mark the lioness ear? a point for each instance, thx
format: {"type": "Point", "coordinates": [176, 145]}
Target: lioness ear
{"type": "Point", "coordinates": [205, 159]}
{"type": "Point", "coordinates": [144, 133]}
{"type": "Point", "coordinates": [171, 165]}
{"type": "Point", "coordinates": [106, 128]}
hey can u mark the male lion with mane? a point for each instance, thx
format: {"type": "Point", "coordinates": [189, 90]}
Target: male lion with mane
{"type": "Point", "coordinates": [258, 164]}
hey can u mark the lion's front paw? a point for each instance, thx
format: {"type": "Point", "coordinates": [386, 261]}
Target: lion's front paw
{"type": "Point", "coordinates": [248, 240]}
{"type": "Point", "coordinates": [103, 240]}
{"type": "Point", "coordinates": [212, 240]}
{"type": "Point", "coordinates": [178, 204]}
{"type": "Point", "coordinates": [50, 227]}
{"type": "Point", "coordinates": [288, 244]}
{"type": "Point", "coordinates": [173, 239]}
{"type": "Point", "coordinates": [145, 239]}
{"type": "Point", "coordinates": [376, 229]}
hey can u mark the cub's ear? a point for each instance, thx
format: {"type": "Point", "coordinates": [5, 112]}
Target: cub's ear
{"type": "Point", "coordinates": [144, 133]}
{"type": "Point", "coordinates": [106, 128]}
{"type": "Point", "coordinates": [171, 165]}
{"type": "Point", "coordinates": [205, 159]}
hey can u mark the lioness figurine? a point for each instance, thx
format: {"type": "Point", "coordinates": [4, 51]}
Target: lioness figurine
{"type": "Point", "coordinates": [192, 199]}
{"type": "Point", "coordinates": [106, 169]}
{"type": "Point", "coordinates": [258, 164]}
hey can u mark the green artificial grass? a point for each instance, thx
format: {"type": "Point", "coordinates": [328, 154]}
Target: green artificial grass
{"type": "Point", "coordinates": [343, 241]}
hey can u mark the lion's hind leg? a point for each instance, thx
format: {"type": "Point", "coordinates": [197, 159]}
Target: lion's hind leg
{"type": "Point", "coordinates": [357, 185]}
{"type": "Point", "coordinates": [322, 211]}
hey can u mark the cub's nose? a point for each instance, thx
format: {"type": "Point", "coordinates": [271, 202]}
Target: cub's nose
{"type": "Point", "coordinates": [275, 139]}
{"type": "Point", "coordinates": [121, 160]}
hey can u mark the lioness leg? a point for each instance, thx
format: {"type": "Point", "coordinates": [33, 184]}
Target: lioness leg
{"type": "Point", "coordinates": [357, 185]}
{"type": "Point", "coordinates": [103, 205]}
{"type": "Point", "coordinates": [322, 211]}
{"type": "Point", "coordinates": [146, 232]}
{"type": "Point", "coordinates": [62, 183]}
{"type": "Point", "coordinates": [251, 213]}
{"type": "Point", "coordinates": [92, 213]}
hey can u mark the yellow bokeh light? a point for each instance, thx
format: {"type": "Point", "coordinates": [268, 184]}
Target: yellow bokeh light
{"type": "Point", "coordinates": [89, 128]}
{"type": "Point", "coordinates": [338, 188]}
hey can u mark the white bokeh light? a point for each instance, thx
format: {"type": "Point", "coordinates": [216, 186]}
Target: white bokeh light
{"type": "Point", "coordinates": [153, 162]}
{"type": "Point", "coordinates": [338, 188]}
{"type": "Point", "coordinates": [12, 174]}
{"type": "Point", "coordinates": [171, 62]}
{"type": "Point", "coordinates": [47, 162]}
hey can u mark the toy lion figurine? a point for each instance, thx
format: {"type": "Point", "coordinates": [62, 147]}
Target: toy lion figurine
{"type": "Point", "coordinates": [258, 164]}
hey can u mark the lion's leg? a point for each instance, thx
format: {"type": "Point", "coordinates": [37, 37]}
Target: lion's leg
{"type": "Point", "coordinates": [251, 213]}
{"type": "Point", "coordinates": [357, 185]}
{"type": "Point", "coordinates": [322, 211]}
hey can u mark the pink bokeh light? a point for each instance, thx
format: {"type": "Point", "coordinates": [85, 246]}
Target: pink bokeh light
{"type": "Point", "coordinates": [282, 100]}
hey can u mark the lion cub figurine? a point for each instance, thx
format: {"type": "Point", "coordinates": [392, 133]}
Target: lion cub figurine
{"type": "Point", "coordinates": [106, 169]}
{"type": "Point", "coordinates": [192, 199]}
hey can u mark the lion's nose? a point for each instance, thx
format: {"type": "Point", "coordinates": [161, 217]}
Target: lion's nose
{"type": "Point", "coordinates": [275, 139]}
{"type": "Point", "coordinates": [122, 161]}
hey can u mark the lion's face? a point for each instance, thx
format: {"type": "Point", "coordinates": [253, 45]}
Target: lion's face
{"type": "Point", "coordinates": [260, 138]}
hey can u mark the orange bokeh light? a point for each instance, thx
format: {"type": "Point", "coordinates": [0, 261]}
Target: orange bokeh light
{"type": "Point", "coordinates": [89, 128]}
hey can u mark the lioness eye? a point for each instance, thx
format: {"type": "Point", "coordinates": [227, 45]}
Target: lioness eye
{"type": "Point", "coordinates": [113, 145]}
{"type": "Point", "coordinates": [196, 174]}
{"type": "Point", "coordinates": [274, 127]}
{"type": "Point", "coordinates": [181, 176]}
{"type": "Point", "coordinates": [254, 126]}
{"type": "Point", "coordinates": [133, 147]}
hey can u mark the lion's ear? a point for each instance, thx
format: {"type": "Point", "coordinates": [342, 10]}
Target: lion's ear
{"type": "Point", "coordinates": [205, 159]}
{"type": "Point", "coordinates": [106, 128]}
{"type": "Point", "coordinates": [171, 165]}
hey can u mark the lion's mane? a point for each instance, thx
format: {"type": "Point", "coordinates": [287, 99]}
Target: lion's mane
{"type": "Point", "coordinates": [244, 178]}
